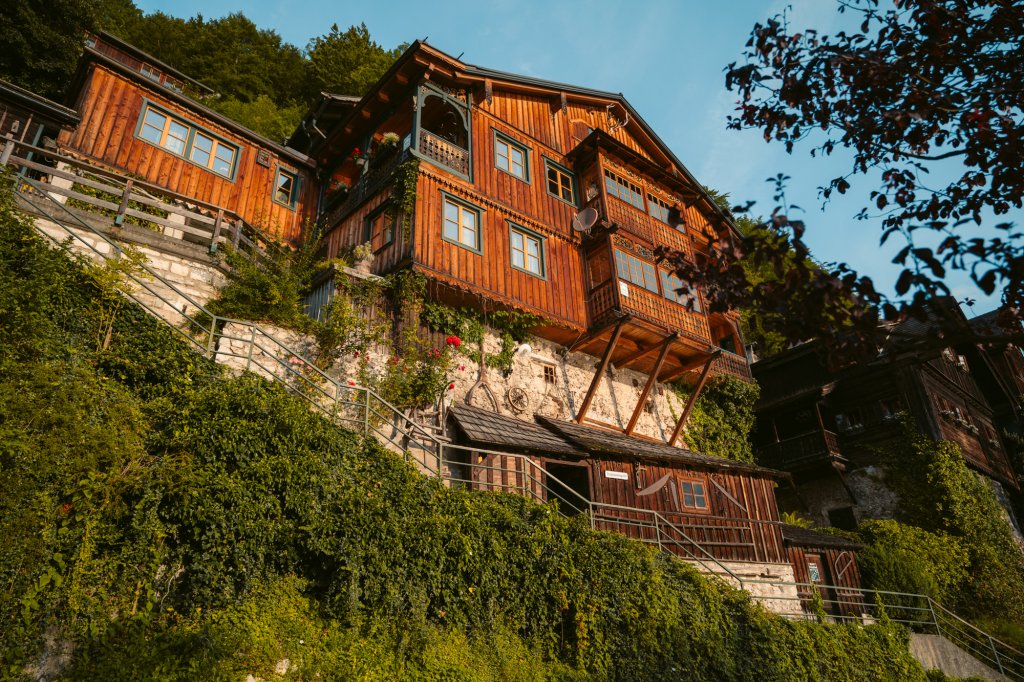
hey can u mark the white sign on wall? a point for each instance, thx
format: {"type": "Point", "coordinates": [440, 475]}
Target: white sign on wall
{"type": "Point", "coordinates": [623, 288]}
{"type": "Point", "coordinates": [617, 475]}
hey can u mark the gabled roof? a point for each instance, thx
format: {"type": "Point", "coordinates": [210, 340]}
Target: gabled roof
{"type": "Point", "coordinates": [433, 59]}
{"type": "Point", "coordinates": [58, 113]}
{"type": "Point", "coordinates": [805, 537]}
{"type": "Point", "coordinates": [481, 427]}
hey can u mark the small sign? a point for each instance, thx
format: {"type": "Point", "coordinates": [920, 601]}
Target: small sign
{"type": "Point", "coordinates": [617, 475]}
{"type": "Point", "coordinates": [263, 157]}
{"type": "Point", "coordinates": [623, 288]}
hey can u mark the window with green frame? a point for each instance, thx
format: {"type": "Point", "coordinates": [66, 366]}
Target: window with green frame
{"type": "Point", "coordinates": [511, 156]}
{"type": "Point", "coordinates": [527, 250]}
{"type": "Point", "coordinates": [639, 272]}
{"type": "Point", "coordinates": [694, 495]}
{"type": "Point", "coordinates": [286, 187]}
{"type": "Point", "coordinates": [461, 223]}
{"type": "Point", "coordinates": [561, 182]}
{"type": "Point", "coordinates": [187, 140]}
{"type": "Point", "coordinates": [623, 189]}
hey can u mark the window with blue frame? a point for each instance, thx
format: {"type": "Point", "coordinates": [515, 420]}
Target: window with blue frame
{"type": "Point", "coordinates": [658, 208]}
{"type": "Point", "coordinates": [670, 286]}
{"type": "Point", "coordinates": [286, 187]}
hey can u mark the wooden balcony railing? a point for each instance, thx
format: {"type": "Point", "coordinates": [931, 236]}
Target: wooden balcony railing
{"type": "Point", "coordinates": [379, 174]}
{"type": "Point", "coordinates": [805, 449]}
{"type": "Point", "coordinates": [733, 365]}
{"type": "Point", "coordinates": [444, 152]}
{"type": "Point", "coordinates": [601, 303]}
{"type": "Point", "coordinates": [660, 310]}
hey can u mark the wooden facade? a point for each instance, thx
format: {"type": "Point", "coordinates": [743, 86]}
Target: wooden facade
{"type": "Point", "coordinates": [522, 159]}
{"type": "Point", "coordinates": [26, 117]}
{"type": "Point", "coordinates": [115, 94]}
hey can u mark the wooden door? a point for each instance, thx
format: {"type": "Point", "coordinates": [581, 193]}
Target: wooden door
{"type": "Point", "coordinates": [817, 571]}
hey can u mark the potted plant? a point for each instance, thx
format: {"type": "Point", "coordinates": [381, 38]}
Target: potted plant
{"type": "Point", "coordinates": [362, 257]}
{"type": "Point", "coordinates": [359, 156]}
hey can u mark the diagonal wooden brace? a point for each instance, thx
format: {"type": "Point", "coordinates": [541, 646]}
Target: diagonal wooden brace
{"type": "Point", "coordinates": [652, 378]}
{"type": "Point", "coordinates": [693, 397]}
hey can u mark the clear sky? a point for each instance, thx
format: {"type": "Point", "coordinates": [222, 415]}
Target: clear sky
{"type": "Point", "coordinates": [666, 56]}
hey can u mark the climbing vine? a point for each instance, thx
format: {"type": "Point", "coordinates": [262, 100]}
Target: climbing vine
{"type": "Point", "coordinates": [403, 194]}
{"type": "Point", "coordinates": [512, 326]}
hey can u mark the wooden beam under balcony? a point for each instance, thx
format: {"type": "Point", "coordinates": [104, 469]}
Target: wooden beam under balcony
{"type": "Point", "coordinates": [652, 378]}
{"type": "Point", "coordinates": [693, 398]}
{"type": "Point", "coordinates": [687, 367]}
{"type": "Point", "coordinates": [642, 353]}
{"type": "Point", "coordinates": [597, 333]}
{"type": "Point", "coordinates": [601, 367]}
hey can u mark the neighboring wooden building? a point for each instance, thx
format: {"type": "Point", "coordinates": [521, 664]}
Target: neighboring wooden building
{"type": "Point", "coordinates": [29, 118]}
{"type": "Point", "coordinates": [829, 563]}
{"type": "Point", "coordinates": [145, 119]}
{"type": "Point", "coordinates": [534, 196]}
{"type": "Point", "coordinates": [824, 426]}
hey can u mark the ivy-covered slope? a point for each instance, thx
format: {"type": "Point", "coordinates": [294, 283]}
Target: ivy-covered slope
{"type": "Point", "coordinates": [161, 520]}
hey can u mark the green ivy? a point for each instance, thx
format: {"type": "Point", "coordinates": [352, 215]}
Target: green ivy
{"type": "Point", "coordinates": [722, 418]}
{"type": "Point", "coordinates": [468, 324]}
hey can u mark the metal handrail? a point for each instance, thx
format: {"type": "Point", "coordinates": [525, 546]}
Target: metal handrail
{"type": "Point", "coordinates": [1009, 663]}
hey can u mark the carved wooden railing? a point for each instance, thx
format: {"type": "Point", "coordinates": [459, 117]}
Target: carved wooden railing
{"type": "Point", "coordinates": [379, 174]}
{"type": "Point", "coordinates": [444, 152]}
{"type": "Point", "coordinates": [660, 310]}
{"type": "Point", "coordinates": [807, 448]}
{"type": "Point", "coordinates": [733, 365]}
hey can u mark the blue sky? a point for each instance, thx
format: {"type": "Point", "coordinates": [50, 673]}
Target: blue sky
{"type": "Point", "coordinates": [667, 57]}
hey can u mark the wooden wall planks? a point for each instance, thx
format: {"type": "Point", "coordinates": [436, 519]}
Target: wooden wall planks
{"type": "Point", "coordinates": [110, 105]}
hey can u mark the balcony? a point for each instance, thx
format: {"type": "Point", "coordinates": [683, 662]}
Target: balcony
{"type": "Point", "coordinates": [733, 365]}
{"type": "Point", "coordinates": [379, 174]}
{"type": "Point", "coordinates": [443, 153]}
{"type": "Point", "coordinates": [803, 451]}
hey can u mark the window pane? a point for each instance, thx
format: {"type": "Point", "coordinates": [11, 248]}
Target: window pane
{"type": "Point", "coordinates": [153, 126]}
{"type": "Point", "coordinates": [202, 142]}
{"type": "Point", "coordinates": [553, 181]}
{"type": "Point", "coordinates": [501, 155]}
{"type": "Point", "coordinates": [224, 158]}
{"type": "Point", "coordinates": [176, 136]}
{"type": "Point", "coordinates": [533, 264]}
{"type": "Point", "coordinates": [517, 240]}
{"type": "Point", "coordinates": [517, 259]}
{"type": "Point", "coordinates": [451, 230]}
{"type": "Point", "coordinates": [532, 247]}
{"type": "Point", "coordinates": [285, 187]}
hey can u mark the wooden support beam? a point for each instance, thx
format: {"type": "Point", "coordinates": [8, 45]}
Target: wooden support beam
{"type": "Point", "coordinates": [686, 367]}
{"type": "Point", "coordinates": [693, 398]}
{"type": "Point", "coordinates": [601, 367]}
{"type": "Point", "coordinates": [587, 338]}
{"type": "Point", "coordinates": [651, 379]}
{"type": "Point", "coordinates": [642, 353]}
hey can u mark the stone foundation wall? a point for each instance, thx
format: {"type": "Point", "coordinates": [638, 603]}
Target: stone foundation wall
{"type": "Point", "coordinates": [771, 585]}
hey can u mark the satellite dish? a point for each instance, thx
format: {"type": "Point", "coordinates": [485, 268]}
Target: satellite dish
{"type": "Point", "coordinates": [585, 220]}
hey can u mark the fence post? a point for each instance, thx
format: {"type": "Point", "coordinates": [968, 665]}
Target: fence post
{"type": "Point", "coordinates": [216, 230]}
{"type": "Point", "coordinates": [995, 651]}
{"type": "Point", "coordinates": [5, 156]}
{"type": "Point", "coordinates": [366, 413]}
{"type": "Point", "coordinates": [657, 533]}
{"type": "Point", "coordinates": [252, 347]}
{"type": "Point", "coordinates": [119, 218]}
{"type": "Point", "coordinates": [590, 510]}
{"type": "Point", "coordinates": [209, 340]}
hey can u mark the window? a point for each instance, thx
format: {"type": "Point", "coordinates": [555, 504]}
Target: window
{"type": "Point", "coordinates": [185, 140]}
{"type": "Point", "coordinates": [527, 250]}
{"type": "Point", "coordinates": [286, 187]}
{"type": "Point", "coordinates": [670, 285]}
{"type": "Point", "coordinates": [461, 223]}
{"type": "Point", "coordinates": [511, 157]}
{"type": "Point", "coordinates": [380, 229]}
{"type": "Point", "coordinates": [694, 495]}
{"type": "Point", "coordinates": [658, 208]}
{"type": "Point", "coordinates": [150, 73]}
{"type": "Point", "coordinates": [560, 182]}
{"type": "Point", "coordinates": [549, 374]}
{"type": "Point", "coordinates": [623, 189]}
{"type": "Point", "coordinates": [634, 270]}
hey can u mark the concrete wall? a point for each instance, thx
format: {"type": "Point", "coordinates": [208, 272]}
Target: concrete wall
{"type": "Point", "coordinates": [934, 652]}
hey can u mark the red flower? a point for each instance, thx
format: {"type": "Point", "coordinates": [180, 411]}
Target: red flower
{"type": "Point", "coordinates": [453, 341]}
{"type": "Point", "coordinates": [451, 387]}
{"type": "Point", "coordinates": [351, 383]}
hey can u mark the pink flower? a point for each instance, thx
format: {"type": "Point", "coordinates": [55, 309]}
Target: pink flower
{"type": "Point", "coordinates": [462, 368]}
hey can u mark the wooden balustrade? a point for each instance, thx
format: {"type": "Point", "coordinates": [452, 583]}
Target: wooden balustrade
{"type": "Point", "coordinates": [380, 173]}
{"type": "Point", "coordinates": [656, 308]}
{"type": "Point", "coordinates": [444, 152]}
{"type": "Point", "coordinates": [807, 448]}
{"type": "Point", "coordinates": [733, 365]}
{"type": "Point", "coordinates": [86, 187]}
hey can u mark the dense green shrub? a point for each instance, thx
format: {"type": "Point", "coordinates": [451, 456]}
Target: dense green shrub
{"type": "Point", "coordinates": [722, 418]}
{"type": "Point", "coordinates": [902, 558]}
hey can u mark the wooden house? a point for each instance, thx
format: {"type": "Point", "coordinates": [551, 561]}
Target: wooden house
{"type": "Point", "coordinates": [826, 564]}
{"type": "Point", "coordinates": [825, 425]}
{"type": "Point", "coordinates": [528, 195]}
{"type": "Point", "coordinates": [144, 119]}
{"type": "Point", "coordinates": [31, 119]}
{"type": "Point", "coordinates": [707, 508]}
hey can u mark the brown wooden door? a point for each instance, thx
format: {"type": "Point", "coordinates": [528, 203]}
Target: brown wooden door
{"type": "Point", "coordinates": [818, 573]}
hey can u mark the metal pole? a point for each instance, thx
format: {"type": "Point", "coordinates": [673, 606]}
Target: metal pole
{"type": "Point", "coordinates": [366, 413]}
{"type": "Point", "coordinates": [657, 533]}
{"type": "Point", "coordinates": [209, 341]}
{"type": "Point", "coordinates": [252, 345]}
{"type": "Point", "coordinates": [999, 664]}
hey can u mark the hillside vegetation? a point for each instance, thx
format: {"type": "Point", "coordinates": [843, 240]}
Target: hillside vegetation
{"type": "Point", "coordinates": [163, 520]}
